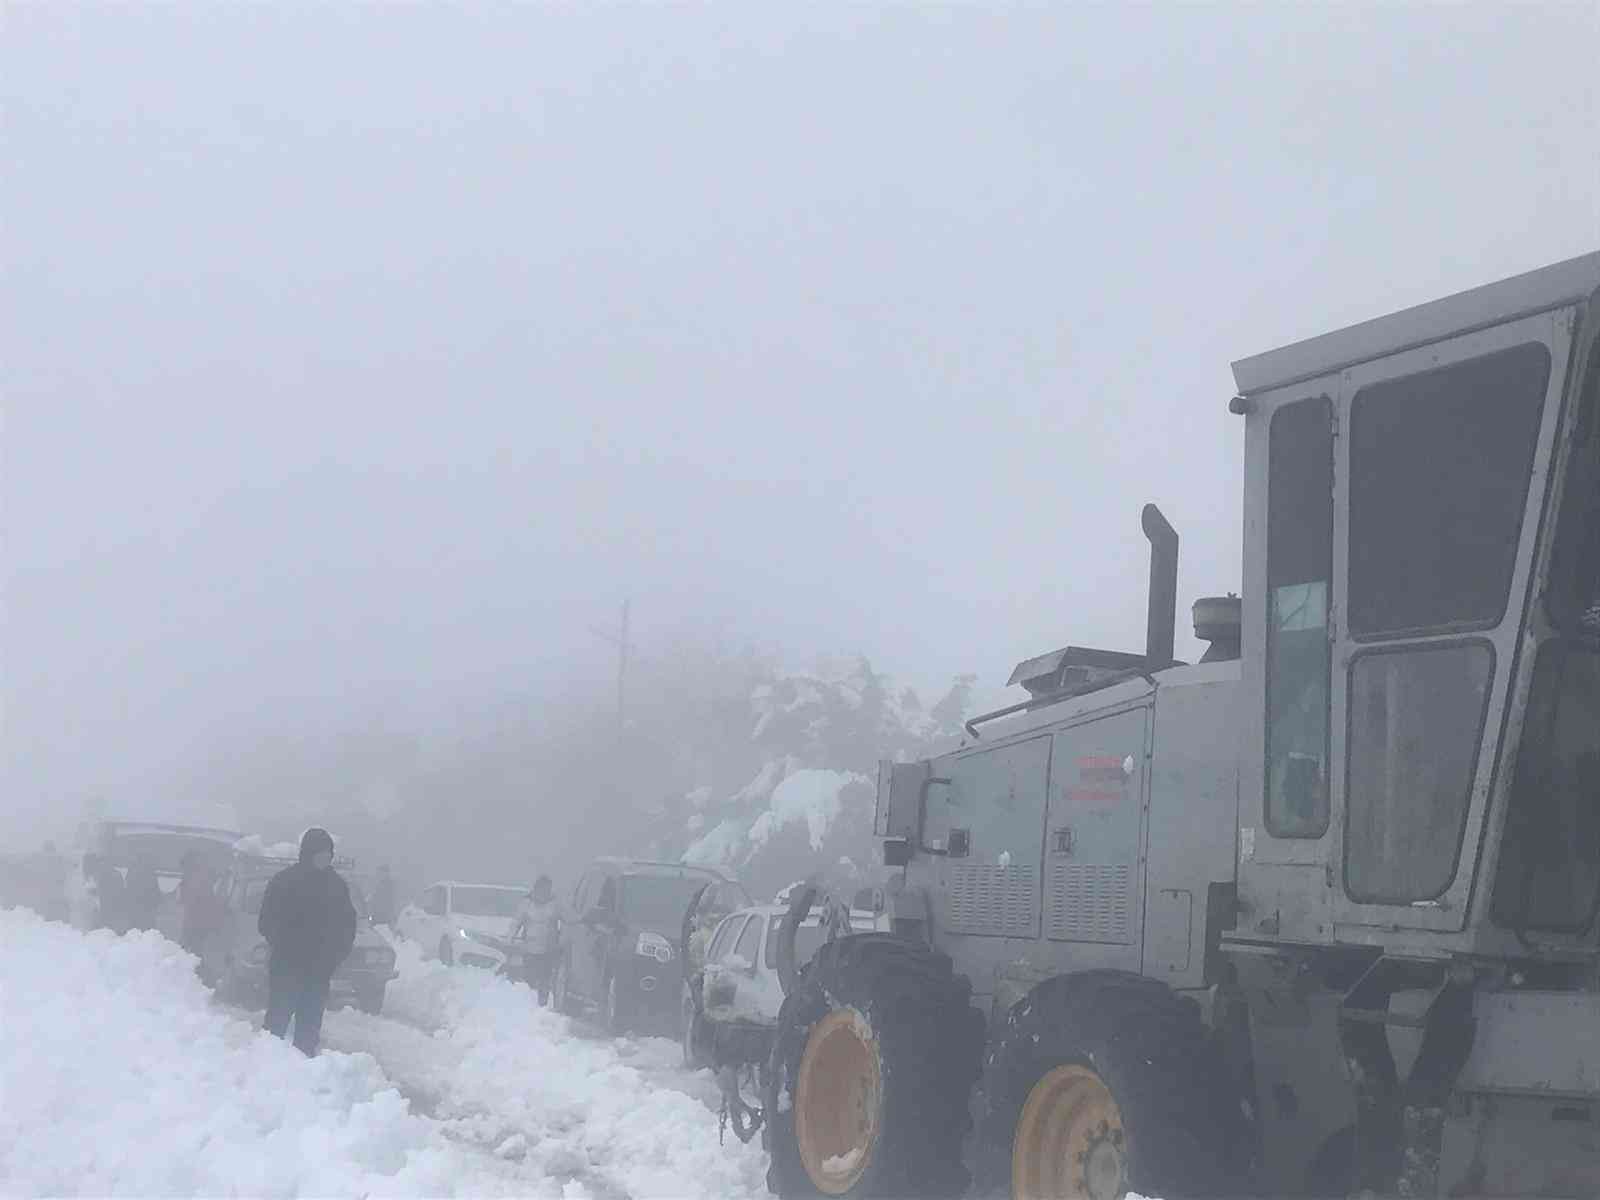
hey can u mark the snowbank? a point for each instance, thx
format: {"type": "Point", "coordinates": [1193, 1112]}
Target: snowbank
{"type": "Point", "coordinates": [121, 1076]}
{"type": "Point", "coordinates": [600, 1117]}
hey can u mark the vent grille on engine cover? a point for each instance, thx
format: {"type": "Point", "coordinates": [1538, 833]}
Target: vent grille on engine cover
{"type": "Point", "coordinates": [1089, 904]}
{"type": "Point", "coordinates": [993, 900]}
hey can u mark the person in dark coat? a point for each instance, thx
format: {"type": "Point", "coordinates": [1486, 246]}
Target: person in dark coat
{"type": "Point", "coordinates": [310, 924]}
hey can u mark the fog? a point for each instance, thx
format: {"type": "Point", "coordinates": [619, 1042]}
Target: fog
{"type": "Point", "coordinates": [359, 361]}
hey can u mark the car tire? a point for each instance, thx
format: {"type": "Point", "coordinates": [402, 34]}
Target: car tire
{"type": "Point", "coordinates": [370, 1000]}
{"type": "Point", "coordinates": [1120, 1066]}
{"type": "Point", "coordinates": [447, 952]}
{"type": "Point", "coordinates": [696, 1035]}
{"type": "Point", "coordinates": [873, 1063]}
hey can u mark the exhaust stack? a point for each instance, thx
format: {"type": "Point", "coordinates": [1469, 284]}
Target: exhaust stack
{"type": "Point", "coordinates": [1161, 613]}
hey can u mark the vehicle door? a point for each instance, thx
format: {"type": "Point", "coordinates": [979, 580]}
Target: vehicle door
{"type": "Point", "coordinates": [985, 822]}
{"type": "Point", "coordinates": [581, 975]}
{"type": "Point", "coordinates": [1094, 860]}
{"type": "Point", "coordinates": [604, 920]}
{"type": "Point", "coordinates": [745, 969]}
{"type": "Point", "coordinates": [721, 982]}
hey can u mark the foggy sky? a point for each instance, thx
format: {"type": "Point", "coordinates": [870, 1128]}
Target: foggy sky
{"type": "Point", "coordinates": [368, 356]}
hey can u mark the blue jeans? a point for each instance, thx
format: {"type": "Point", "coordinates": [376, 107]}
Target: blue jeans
{"type": "Point", "coordinates": [299, 993]}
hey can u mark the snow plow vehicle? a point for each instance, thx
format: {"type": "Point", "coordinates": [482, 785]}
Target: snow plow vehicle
{"type": "Point", "coordinates": [1312, 916]}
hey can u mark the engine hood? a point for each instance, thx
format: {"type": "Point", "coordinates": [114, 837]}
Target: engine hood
{"type": "Point", "coordinates": [498, 927]}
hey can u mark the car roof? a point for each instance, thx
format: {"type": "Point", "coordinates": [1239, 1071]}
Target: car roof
{"type": "Point", "coordinates": [502, 887]}
{"type": "Point", "coordinates": [645, 866]}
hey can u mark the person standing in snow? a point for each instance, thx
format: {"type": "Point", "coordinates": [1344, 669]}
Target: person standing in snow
{"type": "Point", "coordinates": [539, 927]}
{"type": "Point", "coordinates": [310, 924]}
{"type": "Point", "coordinates": [383, 907]}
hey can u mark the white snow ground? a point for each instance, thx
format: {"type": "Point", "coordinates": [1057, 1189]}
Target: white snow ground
{"type": "Point", "coordinates": [121, 1075]}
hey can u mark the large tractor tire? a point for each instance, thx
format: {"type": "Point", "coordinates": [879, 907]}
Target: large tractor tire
{"type": "Point", "coordinates": [872, 1067]}
{"type": "Point", "coordinates": [1107, 1083]}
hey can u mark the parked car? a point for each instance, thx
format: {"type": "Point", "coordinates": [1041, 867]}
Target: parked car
{"type": "Point", "coordinates": [463, 923]}
{"type": "Point", "coordinates": [732, 1020]}
{"type": "Point", "coordinates": [238, 955]}
{"type": "Point", "coordinates": [623, 957]}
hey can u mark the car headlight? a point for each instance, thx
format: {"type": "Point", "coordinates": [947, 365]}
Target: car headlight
{"type": "Point", "coordinates": [653, 945]}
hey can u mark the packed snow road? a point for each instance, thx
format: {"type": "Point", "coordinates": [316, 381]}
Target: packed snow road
{"type": "Point", "coordinates": [121, 1075]}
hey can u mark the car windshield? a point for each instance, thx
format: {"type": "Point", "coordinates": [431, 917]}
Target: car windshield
{"type": "Point", "coordinates": [658, 902]}
{"type": "Point", "coordinates": [486, 901]}
{"type": "Point", "coordinates": [808, 940]}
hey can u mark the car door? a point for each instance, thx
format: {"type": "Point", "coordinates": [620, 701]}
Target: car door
{"type": "Point", "coordinates": [580, 949]}
{"type": "Point", "coordinates": [744, 966]}
{"type": "Point", "coordinates": [717, 992]}
{"type": "Point", "coordinates": [602, 928]}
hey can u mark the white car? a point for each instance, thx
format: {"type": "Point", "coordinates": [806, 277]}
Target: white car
{"type": "Point", "coordinates": [740, 993]}
{"type": "Point", "coordinates": [463, 923]}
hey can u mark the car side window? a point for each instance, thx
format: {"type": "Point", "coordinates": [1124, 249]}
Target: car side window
{"type": "Point", "coordinates": [723, 941]}
{"type": "Point", "coordinates": [608, 895]}
{"type": "Point", "coordinates": [748, 948]}
{"type": "Point", "coordinates": [433, 902]}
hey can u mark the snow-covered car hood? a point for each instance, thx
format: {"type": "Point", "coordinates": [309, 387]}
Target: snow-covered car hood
{"type": "Point", "coordinates": [499, 927]}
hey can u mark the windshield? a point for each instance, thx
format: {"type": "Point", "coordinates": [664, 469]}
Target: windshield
{"type": "Point", "coordinates": [808, 940]}
{"type": "Point", "coordinates": [658, 902]}
{"type": "Point", "coordinates": [486, 901]}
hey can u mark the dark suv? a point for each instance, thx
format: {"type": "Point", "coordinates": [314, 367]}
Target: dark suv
{"type": "Point", "coordinates": [621, 955]}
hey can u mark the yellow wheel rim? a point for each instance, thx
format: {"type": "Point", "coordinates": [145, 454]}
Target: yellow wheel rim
{"type": "Point", "coordinates": [837, 1102]}
{"type": "Point", "coordinates": [1070, 1142]}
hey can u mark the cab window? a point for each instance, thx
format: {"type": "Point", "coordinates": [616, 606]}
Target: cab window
{"type": "Point", "coordinates": [1440, 463]}
{"type": "Point", "coordinates": [433, 902]}
{"type": "Point", "coordinates": [1416, 718]}
{"type": "Point", "coordinates": [1299, 572]}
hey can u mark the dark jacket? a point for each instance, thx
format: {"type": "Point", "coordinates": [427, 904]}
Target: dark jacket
{"type": "Point", "coordinates": [308, 919]}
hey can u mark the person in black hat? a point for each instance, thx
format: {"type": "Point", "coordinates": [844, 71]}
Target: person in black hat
{"type": "Point", "coordinates": [310, 924]}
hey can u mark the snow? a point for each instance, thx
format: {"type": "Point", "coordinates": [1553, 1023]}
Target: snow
{"type": "Point", "coordinates": [809, 795]}
{"type": "Point", "coordinates": [842, 1162]}
{"type": "Point", "coordinates": [123, 1076]}
{"type": "Point", "coordinates": [718, 847]}
{"type": "Point", "coordinates": [611, 1115]}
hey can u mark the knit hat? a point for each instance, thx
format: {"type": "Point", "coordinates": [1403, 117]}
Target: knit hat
{"type": "Point", "coordinates": [314, 841]}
